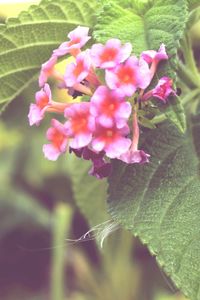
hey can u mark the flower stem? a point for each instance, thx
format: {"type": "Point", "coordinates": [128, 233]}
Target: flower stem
{"type": "Point", "coordinates": [83, 89]}
{"type": "Point", "coordinates": [62, 221]}
{"type": "Point", "coordinates": [189, 57]}
{"type": "Point", "coordinates": [136, 133]}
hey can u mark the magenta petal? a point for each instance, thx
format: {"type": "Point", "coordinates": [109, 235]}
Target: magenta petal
{"type": "Point", "coordinates": [100, 169]}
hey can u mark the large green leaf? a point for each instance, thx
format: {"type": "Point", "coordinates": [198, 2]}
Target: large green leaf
{"type": "Point", "coordinates": [147, 24]}
{"type": "Point", "coordinates": [159, 202]}
{"type": "Point", "coordinates": [27, 41]}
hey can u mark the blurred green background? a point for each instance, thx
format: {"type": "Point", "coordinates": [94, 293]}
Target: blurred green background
{"type": "Point", "coordinates": [41, 210]}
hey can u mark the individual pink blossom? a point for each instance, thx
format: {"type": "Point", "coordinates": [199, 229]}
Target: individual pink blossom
{"type": "Point", "coordinates": [151, 56]}
{"type": "Point", "coordinates": [110, 54]}
{"type": "Point", "coordinates": [133, 155]}
{"type": "Point", "coordinates": [124, 77]}
{"type": "Point", "coordinates": [162, 90]}
{"type": "Point", "coordinates": [109, 107]}
{"type": "Point", "coordinates": [58, 138]}
{"type": "Point", "coordinates": [112, 140]}
{"type": "Point", "coordinates": [43, 102]}
{"type": "Point", "coordinates": [78, 38]}
{"type": "Point", "coordinates": [47, 70]}
{"type": "Point", "coordinates": [80, 125]}
{"type": "Point", "coordinates": [78, 71]}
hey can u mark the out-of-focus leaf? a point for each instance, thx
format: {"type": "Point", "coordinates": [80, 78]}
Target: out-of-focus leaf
{"type": "Point", "coordinates": [89, 193]}
{"type": "Point", "coordinates": [19, 210]}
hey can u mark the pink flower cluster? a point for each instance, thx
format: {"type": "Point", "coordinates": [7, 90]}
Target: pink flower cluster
{"type": "Point", "coordinates": [111, 77]}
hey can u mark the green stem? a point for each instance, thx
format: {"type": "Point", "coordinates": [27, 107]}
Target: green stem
{"type": "Point", "coordinates": [188, 72]}
{"type": "Point", "coordinates": [189, 56]}
{"type": "Point", "coordinates": [62, 221]}
{"type": "Point", "coordinates": [190, 96]}
{"type": "Point", "coordinates": [186, 75]}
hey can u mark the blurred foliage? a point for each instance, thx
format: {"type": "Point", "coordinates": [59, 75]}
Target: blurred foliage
{"type": "Point", "coordinates": [31, 191]}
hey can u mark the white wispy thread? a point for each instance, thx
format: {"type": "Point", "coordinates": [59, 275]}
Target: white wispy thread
{"type": "Point", "coordinates": [99, 232]}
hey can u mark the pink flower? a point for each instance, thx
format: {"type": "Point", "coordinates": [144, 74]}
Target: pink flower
{"type": "Point", "coordinates": [43, 102]}
{"type": "Point", "coordinates": [162, 90]}
{"type": "Point", "coordinates": [133, 155]}
{"type": "Point", "coordinates": [58, 138]}
{"type": "Point", "coordinates": [78, 71]}
{"type": "Point", "coordinates": [154, 57]}
{"type": "Point", "coordinates": [80, 124]}
{"type": "Point", "coordinates": [78, 38]}
{"type": "Point", "coordinates": [112, 140]}
{"type": "Point", "coordinates": [124, 77]}
{"type": "Point", "coordinates": [109, 107]}
{"type": "Point", "coordinates": [151, 56]}
{"type": "Point", "coordinates": [47, 70]}
{"type": "Point", "coordinates": [110, 54]}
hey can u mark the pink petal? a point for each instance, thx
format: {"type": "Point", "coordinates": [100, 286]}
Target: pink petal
{"type": "Point", "coordinates": [35, 115]}
{"type": "Point", "coordinates": [50, 152]}
{"type": "Point", "coordinates": [115, 149]}
{"type": "Point", "coordinates": [105, 121]}
{"type": "Point", "coordinates": [98, 144]}
{"type": "Point", "coordinates": [80, 140]}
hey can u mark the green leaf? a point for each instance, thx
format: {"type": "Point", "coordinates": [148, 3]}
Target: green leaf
{"type": "Point", "coordinates": [175, 112]}
{"type": "Point", "coordinates": [147, 27]}
{"type": "Point", "coordinates": [159, 202]}
{"type": "Point", "coordinates": [89, 193]}
{"type": "Point", "coordinates": [27, 41]}
{"type": "Point", "coordinates": [147, 24]}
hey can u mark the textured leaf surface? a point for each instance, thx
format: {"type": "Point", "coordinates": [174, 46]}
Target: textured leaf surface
{"type": "Point", "coordinates": [27, 41]}
{"type": "Point", "coordinates": [159, 202]}
{"type": "Point", "coordinates": [147, 24]}
{"type": "Point", "coordinates": [175, 112]}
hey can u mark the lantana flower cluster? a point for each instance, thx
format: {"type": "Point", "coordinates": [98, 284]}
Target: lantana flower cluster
{"type": "Point", "coordinates": [103, 125]}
